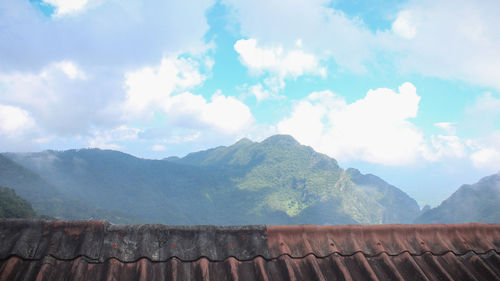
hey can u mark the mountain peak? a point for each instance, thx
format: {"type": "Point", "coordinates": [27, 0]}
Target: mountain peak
{"type": "Point", "coordinates": [353, 171]}
{"type": "Point", "coordinates": [243, 141]}
{"type": "Point", "coordinates": [281, 139]}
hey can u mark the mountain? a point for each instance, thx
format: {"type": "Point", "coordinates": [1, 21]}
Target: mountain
{"type": "Point", "coordinates": [305, 185]}
{"type": "Point", "coordinates": [276, 181]}
{"type": "Point", "coordinates": [13, 206]}
{"type": "Point", "coordinates": [399, 207]}
{"type": "Point", "coordinates": [478, 202]}
{"type": "Point", "coordinates": [49, 200]}
{"type": "Point", "coordinates": [148, 189]}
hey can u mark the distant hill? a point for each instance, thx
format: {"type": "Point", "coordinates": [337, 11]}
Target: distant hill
{"type": "Point", "coordinates": [307, 186]}
{"type": "Point", "coordinates": [479, 202]}
{"type": "Point", "coordinates": [276, 181]}
{"type": "Point", "coordinates": [13, 206]}
{"type": "Point", "coordinates": [49, 200]}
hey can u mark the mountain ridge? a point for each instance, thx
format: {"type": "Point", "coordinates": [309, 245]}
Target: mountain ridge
{"type": "Point", "coordinates": [478, 202]}
{"type": "Point", "coordinates": [275, 181]}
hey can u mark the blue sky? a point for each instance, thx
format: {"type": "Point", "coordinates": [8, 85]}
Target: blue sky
{"type": "Point", "coordinates": [406, 90]}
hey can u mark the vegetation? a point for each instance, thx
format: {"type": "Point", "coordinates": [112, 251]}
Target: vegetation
{"type": "Point", "coordinates": [276, 181]}
{"type": "Point", "coordinates": [49, 201]}
{"type": "Point", "coordinates": [13, 206]}
{"type": "Point", "coordinates": [470, 203]}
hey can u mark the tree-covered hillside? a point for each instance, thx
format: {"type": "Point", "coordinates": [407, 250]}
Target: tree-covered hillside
{"type": "Point", "coordinates": [47, 199]}
{"type": "Point", "coordinates": [305, 185]}
{"type": "Point", "coordinates": [479, 202]}
{"type": "Point", "coordinates": [276, 181]}
{"type": "Point", "coordinates": [13, 206]}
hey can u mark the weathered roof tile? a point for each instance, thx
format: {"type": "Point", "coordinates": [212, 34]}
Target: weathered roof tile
{"type": "Point", "coordinates": [40, 250]}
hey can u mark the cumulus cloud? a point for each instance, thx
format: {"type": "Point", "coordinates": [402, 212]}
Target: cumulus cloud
{"type": "Point", "coordinates": [150, 87]}
{"type": "Point", "coordinates": [277, 63]}
{"type": "Point", "coordinates": [486, 158]}
{"type": "Point", "coordinates": [162, 89]}
{"type": "Point", "coordinates": [158, 147]}
{"type": "Point", "coordinates": [444, 146]}
{"type": "Point", "coordinates": [404, 25]}
{"type": "Point", "coordinates": [460, 44]}
{"type": "Point", "coordinates": [111, 138]}
{"type": "Point", "coordinates": [483, 115]}
{"type": "Point", "coordinates": [425, 36]}
{"type": "Point", "coordinates": [14, 120]}
{"type": "Point", "coordinates": [224, 113]}
{"type": "Point", "coordinates": [64, 7]}
{"type": "Point", "coordinates": [378, 128]}
{"type": "Point", "coordinates": [67, 71]}
{"type": "Point", "coordinates": [283, 63]}
{"type": "Point", "coordinates": [448, 127]}
{"type": "Point", "coordinates": [70, 69]}
{"type": "Point", "coordinates": [486, 152]}
{"type": "Point", "coordinates": [61, 97]}
{"type": "Point", "coordinates": [321, 29]}
{"type": "Point", "coordinates": [18, 129]}
{"type": "Point", "coordinates": [113, 34]}
{"type": "Point", "coordinates": [375, 129]}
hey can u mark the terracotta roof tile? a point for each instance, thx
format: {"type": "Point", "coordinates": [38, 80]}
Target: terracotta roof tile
{"type": "Point", "coordinates": [39, 250]}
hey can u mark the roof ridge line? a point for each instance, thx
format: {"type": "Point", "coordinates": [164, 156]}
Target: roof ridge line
{"type": "Point", "coordinates": [94, 261]}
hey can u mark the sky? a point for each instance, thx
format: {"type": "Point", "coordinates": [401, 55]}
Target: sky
{"type": "Point", "coordinates": [406, 90]}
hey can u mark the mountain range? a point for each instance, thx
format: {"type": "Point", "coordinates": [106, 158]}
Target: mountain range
{"type": "Point", "coordinates": [275, 181]}
{"type": "Point", "coordinates": [470, 203]}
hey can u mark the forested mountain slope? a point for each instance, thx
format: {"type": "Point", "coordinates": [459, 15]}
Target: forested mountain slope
{"type": "Point", "coordinates": [276, 181]}
{"type": "Point", "coordinates": [49, 200]}
{"type": "Point", "coordinates": [479, 202]}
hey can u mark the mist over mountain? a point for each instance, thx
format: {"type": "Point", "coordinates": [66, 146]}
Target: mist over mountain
{"type": "Point", "coordinates": [276, 181]}
{"type": "Point", "coordinates": [48, 199]}
{"type": "Point", "coordinates": [478, 202]}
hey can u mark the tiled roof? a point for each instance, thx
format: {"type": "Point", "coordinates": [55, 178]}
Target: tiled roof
{"type": "Point", "coordinates": [97, 250]}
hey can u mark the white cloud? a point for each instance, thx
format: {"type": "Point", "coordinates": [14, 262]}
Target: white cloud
{"type": "Point", "coordinates": [485, 153]}
{"type": "Point", "coordinates": [486, 158]}
{"type": "Point", "coordinates": [61, 97]}
{"type": "Point", "coordinates": [64, 7]}
{"type": "Point", "coordinates": [483, 116]}
{"type": "Point", "coordinates": [446, 39]}
{"type": "Point", "coordinates": [162, 89]}
{"type": "Point", "coordinates": [14, 120]}
{"type": "Point", "coordinates": [448, 127]}
{"type": "Point", "coordinates": [105, 34]}
{"type": "Point", "coordinates": [404, 25]}
{"type": "Point", "coordinates": [111, 138]}
{"type": "Point", "coordinates": [322, 30]}
{"type": "Point", "coordinates": [260, 93]}
{"type": "Point", "coordinates": [374, 129]}
{"type": "Point", "coordinates": [450, 40]}
{"type": "Point", "coordinates": [223, 113]}
{"type": "Point", "coordinates": [283, 63]}
{"type": "Point", "coordinates": [70, 69]}
{"type": "Point", "coordinates": [277, 63]}
{"type": "Point", "coordinates": [183, 139]}
{"type": "Point", "coordinates": [151, 87]}
{"type": "Point", "coordinates": [158, 147]}
{"type": "Point", "coordinates": [444, 146]}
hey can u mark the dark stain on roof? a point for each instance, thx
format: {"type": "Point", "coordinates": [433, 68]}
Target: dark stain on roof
{"type": "Point", "coordinates": [97, 250]}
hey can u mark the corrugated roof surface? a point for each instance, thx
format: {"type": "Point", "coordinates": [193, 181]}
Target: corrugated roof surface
{"type": "Point", "coordinates": [39, 250]}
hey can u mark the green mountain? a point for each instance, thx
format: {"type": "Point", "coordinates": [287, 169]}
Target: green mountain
{"type": "Point", "coordinates": [305, 185]}
{"type": "Point", "coordinates": [276, 181]}
{"type": "Point", "coordinates": [478, 202]}
{"type": "Point", "coordinates": [48, 200]}
{"type": "Point", "coordinates": [13, 206]}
